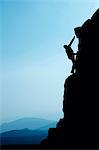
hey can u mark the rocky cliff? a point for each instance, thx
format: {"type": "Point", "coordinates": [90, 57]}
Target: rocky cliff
{"type": "Point", "coordinates": [80, 125]}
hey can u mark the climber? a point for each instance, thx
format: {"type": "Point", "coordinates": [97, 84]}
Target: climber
{"type": "Point", "coordinates": [71, 54]}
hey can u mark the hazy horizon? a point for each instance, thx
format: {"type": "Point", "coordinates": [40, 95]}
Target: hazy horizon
{"type": "Point", "coordinates": [26, 118]}
{"type": "Point", "coordinates": [33, 64]}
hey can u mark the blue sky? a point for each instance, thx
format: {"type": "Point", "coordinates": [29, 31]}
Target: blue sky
{"type": "Point", "coordinates": [33, 62]}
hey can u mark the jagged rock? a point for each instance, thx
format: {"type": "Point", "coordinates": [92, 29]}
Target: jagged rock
{"type": "Point", "coordinates": [80, 125]}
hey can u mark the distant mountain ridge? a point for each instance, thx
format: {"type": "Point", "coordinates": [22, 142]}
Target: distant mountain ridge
{"type": "Point", "coordinates": [29, 123]}
{"type": "Point", "coordinates": [24, 136]}
{"type": "Point", "coordinates": [25, 131]}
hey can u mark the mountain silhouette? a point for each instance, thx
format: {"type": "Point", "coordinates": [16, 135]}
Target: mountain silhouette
{"type": "Point", "coordinates": [25, 131]}
{"type": "Point", "coordinates": [24, 136]}
{"type": "Point", "coordinates": [30, 123]}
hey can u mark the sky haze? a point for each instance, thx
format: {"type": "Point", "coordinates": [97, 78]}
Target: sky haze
{"type": "Point", "coordinates": [33, 64]}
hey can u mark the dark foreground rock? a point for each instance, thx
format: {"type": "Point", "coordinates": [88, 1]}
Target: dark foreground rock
{"type": "Point", "coordinates": [80, 125]}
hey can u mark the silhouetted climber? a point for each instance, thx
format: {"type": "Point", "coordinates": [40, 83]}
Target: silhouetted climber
{"type": "Point", "coordinates": [79, 128]}
{"type": "Point", "coordinates": [71, 54]}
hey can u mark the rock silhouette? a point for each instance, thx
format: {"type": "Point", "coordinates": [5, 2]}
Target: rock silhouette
{"type": "Point", "coordinates": [80, 125]}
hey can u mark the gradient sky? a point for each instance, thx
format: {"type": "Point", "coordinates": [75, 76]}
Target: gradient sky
{"type": "Point", "coordinates": [33, 63]}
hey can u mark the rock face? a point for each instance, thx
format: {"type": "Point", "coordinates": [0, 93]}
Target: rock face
{"type": "Point", "coordinates": [80, 125]}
